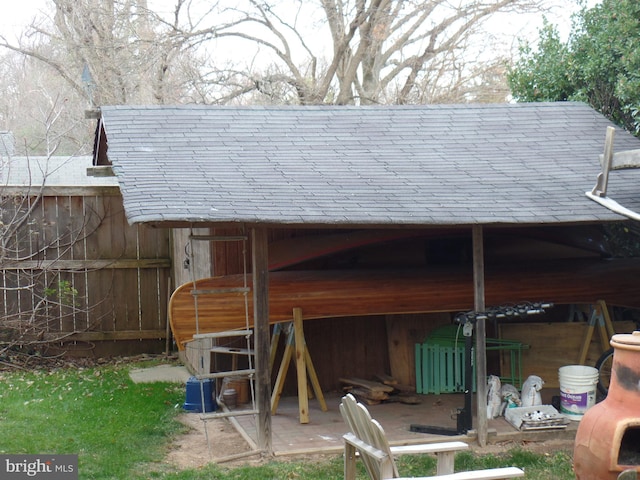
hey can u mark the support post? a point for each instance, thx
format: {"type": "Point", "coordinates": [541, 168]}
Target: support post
{"type": "Point", "coordinates": [301, 366]}
{"type": "Point", "coordinates": [260, 272]}
{"type": "Point", "coordinates": [481, 335]}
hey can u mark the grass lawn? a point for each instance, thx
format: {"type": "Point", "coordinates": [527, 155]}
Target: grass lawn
{"type": "Point", "coordinates": [122, 430]}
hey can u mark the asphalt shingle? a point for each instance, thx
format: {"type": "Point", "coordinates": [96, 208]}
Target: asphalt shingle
{"type": "Point", "coordinates": [401, 165]}
{"type": "Point", "coordinates": [54, 171]}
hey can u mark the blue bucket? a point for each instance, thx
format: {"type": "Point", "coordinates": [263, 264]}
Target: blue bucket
{"type": "Point", "coordinates": [195, 390]}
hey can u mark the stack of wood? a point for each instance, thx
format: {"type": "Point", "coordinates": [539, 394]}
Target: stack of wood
{"type": "Point", "coordinates": [383, 389]}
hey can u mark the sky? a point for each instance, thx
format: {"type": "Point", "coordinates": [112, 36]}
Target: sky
{"type": "Point", "coordinates": [16, 15]}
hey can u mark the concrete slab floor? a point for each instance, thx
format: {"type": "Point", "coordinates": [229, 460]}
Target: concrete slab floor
{"type": "Point", "coordinates": [323, 433]}
{"type": "Point", "coordinates": [160, 373]}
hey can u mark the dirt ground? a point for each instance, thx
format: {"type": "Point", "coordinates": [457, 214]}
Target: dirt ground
{"type": "Point", "coordinates": [191, 450]}
{"type": "Point", "coordinates": [229, 448]}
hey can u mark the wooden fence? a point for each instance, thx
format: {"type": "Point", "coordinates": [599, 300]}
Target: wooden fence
{"type": "Point", "coordinates": [78, 273]}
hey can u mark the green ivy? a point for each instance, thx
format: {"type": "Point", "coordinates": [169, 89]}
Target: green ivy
{"type": "Point", "coordinates": [64, 292]}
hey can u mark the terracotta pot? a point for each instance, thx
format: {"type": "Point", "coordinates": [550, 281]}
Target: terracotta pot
{"type": "Point", "coordinates": [608, 437]}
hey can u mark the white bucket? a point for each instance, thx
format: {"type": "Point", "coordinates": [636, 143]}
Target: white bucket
{"type": "Point", "coordinates": [577, 390]}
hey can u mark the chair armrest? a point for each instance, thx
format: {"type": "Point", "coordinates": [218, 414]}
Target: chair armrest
{"type": "Point", "coordinates": [429, 448]}
{"type": "Point", "coordinates": [359, 444]}
{"type": "Point", "coordinates": [444, 451]}
{"type": "Point", "coordinates": [490, 474]}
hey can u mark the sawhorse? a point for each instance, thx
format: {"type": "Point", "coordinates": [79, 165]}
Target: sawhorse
{"type": "Point", "coordinates": [599, 315]}
{"type": "Point", "coordinates": [304, 366]}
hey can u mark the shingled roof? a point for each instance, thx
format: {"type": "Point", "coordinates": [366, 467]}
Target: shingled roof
{"type": "Point", "coordinates": [363, 166]}
{"type": "Point", "coordinates": [55, 171]}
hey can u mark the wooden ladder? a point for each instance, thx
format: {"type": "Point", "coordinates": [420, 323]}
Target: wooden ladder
{"type": "Point", "coordinates": [205, 341]}
{"type": "Point", "coordinates": [248, 373]}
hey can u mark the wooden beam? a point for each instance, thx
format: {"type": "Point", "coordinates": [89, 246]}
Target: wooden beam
{"type": "Point", "coordinates": [260, 269]}
{"type": "Point", "coordinates": [275, 340]}
{"type": "Point", "coordinates": [90, 264]}
{"type": "Point", "coordinates": [295, 337]}
{"type": "Point", "coordinates": [282, 371]}
{"type": "Point", "coordinates": [622, 160]}
{"type": "Point", "coordinates": [301, 366]}
{"type": "Point", "coordinates": [62, 191]}
{"type": "Point", "coordinates": [600, 190]}
{"type": "Point", "coordinates": [100, 171]}
{"type": "Point", "coordinates": [614, 206]}
{"type": "Point", "coordinates": [106, 336]}
{"type": "Point", "coordinates": [315, 383]}
{"type": "Point", "coordinates": [481, 335]}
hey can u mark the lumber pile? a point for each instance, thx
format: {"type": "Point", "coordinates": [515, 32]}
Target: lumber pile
{"type": "Point", "coordinates": [383, 389]}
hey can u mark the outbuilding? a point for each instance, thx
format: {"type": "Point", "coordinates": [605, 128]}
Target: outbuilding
{"type": "Point", "coordinates": [485, 203]}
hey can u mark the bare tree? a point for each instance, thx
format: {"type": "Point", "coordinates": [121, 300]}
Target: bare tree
{"type": "Point", "coordinates": [88, 53]}
{"type": "Point", "coordinates": [117, 44]}
{"type": "Point", "coordinates": [333, 51]}
{"type": "Point", "coordinates": [44, 114]}
{"type": "Point", "coordinates": [355, 51]}
{"type": "Point", "coordinates": [39, 298]}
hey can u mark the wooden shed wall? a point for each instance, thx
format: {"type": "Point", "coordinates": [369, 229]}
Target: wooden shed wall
{"type": "Point", "coordinates": [339, 347]}
{"type": "Point", "coordinates": [88, 273]}
{"type": "Point", "coordinates": [366, 346]}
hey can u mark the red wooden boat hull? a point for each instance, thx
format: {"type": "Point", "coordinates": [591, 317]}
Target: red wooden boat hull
{"type": "Point", "coordinates": [345, 293]}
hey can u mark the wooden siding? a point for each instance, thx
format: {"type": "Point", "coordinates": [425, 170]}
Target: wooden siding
{"type": "Point", "coordinates": [385, 344]}
{"type": "Point", "coordinates": [183, 252]}
{"type": "Point", "coordinates": [103, 280]}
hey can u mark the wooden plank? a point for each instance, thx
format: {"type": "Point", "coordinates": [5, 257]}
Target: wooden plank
{"type": "Point", "coordinates": [100, 171]}
{"type": "Point", "coordinates": [89, 263]}
{"type": "Point", "coordinates": [341, 347]}
{"type": "Point", "coordinates": [481, 335]}
{"type": "Point", "coordinates": [107, 336]}
{"type": "Point", "coordinates": [150, 291]}
{"type": "Point", "coordinates": [403, 332]}
{"type": "Point", "coordinates": [219, 238]}
{"type": "Point", "coordinates": [370, 395]}
{"type": "Point", "coordinates": [301, 366]}
{"type": "Point", "coordinates": [368, 384]}
{"type": "Point", "coordinates": [282, 373]}
{"type": "Point", "coordinates": [275, 340]}
{"type": "Point", "coordinates": [99, 245]}
{"type": "Point", "coordinates": [552, 345]}
{"type": "Point", "coordinates": [600, 190]}
{"type": "Point", "coordinates": [315, 383]}
{"type": "Point", "coordinates": [386, 379]}
{"type": "Point", "coordinates": [229, 257]}
{"type": "Point", "coordinates": [260, 280]}
{"type": "Point", "coordinates": [56, 191]}
{"type": "Point", "coordinates": [401, 349]}
{"type": "Point", "coordinates": [392, 382]}
{"type": "Point", "coordinates": [234, 333]}
{"type": "Point", "coordinates": [614, 206]}
{"type": "Point", "coordinates": [237, 373]}
{"type": "Point", "coordinates": [80, 239]}
{"type": "Point", "coordinates": [621, 160]}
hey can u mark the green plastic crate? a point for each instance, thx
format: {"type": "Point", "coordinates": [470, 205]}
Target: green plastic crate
{"type": "Point", "coordinates": [440, 366]}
